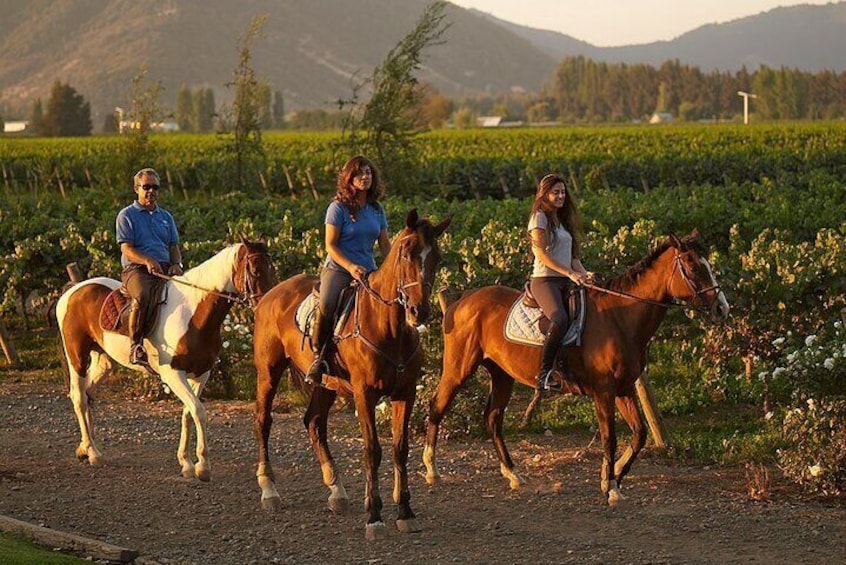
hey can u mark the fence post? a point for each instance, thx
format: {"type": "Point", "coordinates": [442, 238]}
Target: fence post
{"type": "Point", "coordinates": [651, 412]}
{"type": "Point", "coordinates": [8, 348]}
{"type": "Point", "coordinates": [73, 272]}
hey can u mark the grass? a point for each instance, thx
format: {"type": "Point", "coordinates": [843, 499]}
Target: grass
{"type": "Point", "coordinates": [18, 551]}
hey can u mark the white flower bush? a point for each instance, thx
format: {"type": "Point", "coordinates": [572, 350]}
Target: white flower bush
{"type": "Point", "coordinates": [814, 427]}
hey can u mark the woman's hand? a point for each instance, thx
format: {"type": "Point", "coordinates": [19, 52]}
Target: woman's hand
{"type": "Point", "coordinates": [358, 272]}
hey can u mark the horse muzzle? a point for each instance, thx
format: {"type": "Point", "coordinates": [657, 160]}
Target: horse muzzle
{"type": "Point", "coordinates": [720, 308]}
{"type": "Point", "coordinates": [418, 314]}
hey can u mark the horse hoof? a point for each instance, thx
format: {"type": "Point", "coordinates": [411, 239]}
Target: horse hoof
{"type": "Point", "coordinates": [188, 472]}
{"type": "Point", "coordinates": [515, 483]}
{"type": "Point", "coordinates": [615, 498]}
{"type": "Point", "coordinates": [432, 478]}
{"type": "Point", "coordinates": [409, 526]}
{"type": "Point", "coordinates": [272, 504]}
{"type": "Point", "coordinates": [339, 505]}
{"type": "Point", "coordinates": [203, 474]}
{"type": "Point", "coordinates": [81, 454]}
{"type": "Point", "coordinates": [375, 531]}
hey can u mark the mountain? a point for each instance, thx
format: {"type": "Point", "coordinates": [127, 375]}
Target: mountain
{"type": "Point", "coordinates": [315, 50]}
{"type": "Point", "coordinates": [811, 38]}
{"type": "Point", "coordinates": [312, 50]}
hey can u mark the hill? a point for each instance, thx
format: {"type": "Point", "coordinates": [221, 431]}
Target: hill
{"type": "Point", "coordinates": [314, 50]}
{"type": "Point", "coordinates": [807, 37]}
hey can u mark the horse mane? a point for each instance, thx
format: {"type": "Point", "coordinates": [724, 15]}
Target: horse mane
{"type": "Point", "coordinates": [197, 274]}
{"type": "Point", "coordinates": [630, 276]}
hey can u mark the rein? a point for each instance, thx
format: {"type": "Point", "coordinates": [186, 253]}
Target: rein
{"type": "Point", "coordinates": [236, 297]}
{"type": "Point", "coordinates": [673, 302]}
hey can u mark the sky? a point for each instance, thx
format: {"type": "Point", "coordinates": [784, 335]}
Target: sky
{"type": "Point", "coordinates": [606, 23]}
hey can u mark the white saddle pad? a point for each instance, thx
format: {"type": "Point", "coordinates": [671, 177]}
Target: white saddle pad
{"type": "Point", "coordinates": [521, 324]}
{"type": "Point", "coordinates": [305, 313]}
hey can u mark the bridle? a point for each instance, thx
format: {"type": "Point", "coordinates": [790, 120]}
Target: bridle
{"type": "Point", "coordinates": [249, 296]}
{"type": "Point", "coordinates": [402, 299]}
{"type": "Point", "coordinates": [673, 302]}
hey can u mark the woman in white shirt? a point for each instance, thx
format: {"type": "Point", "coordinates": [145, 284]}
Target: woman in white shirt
{"type": "Point", "coordinates": [555, 229]}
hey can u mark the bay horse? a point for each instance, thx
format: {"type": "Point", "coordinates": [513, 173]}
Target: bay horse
{"type": "Point", "coordinates": [182, 345]}
{"type": "Point", "coordinates": [619, 324]}
{"type": "Point", "coordinates": [380, 354]}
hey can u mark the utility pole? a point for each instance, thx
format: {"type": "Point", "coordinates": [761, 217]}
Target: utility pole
{"type": "Point", "coordinates": [746, 96]}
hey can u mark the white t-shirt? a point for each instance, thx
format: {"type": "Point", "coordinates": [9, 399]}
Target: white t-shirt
{"type": "Point", "coordinates": [561, 250]}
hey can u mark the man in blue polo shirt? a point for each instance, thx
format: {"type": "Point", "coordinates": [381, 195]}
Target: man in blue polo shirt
{"type": "Point", "coordinates": [149, 245]}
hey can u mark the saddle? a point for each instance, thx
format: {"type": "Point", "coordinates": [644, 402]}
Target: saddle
{"type": "Point", "coordinates": [115, 311]}
{"type": "Point", "coordinates": [526, 324]}
{"type": "Point", "coordinates": [304, 320]}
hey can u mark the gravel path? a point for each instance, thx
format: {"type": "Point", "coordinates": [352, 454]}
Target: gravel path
{"type": "Point", "coordinates": [673, 514]}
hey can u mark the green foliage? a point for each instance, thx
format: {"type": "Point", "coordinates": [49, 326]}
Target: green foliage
{"type": "Point", "coordinates": [67, 113]}
{"type": "Point", "coordinates": [17, 551]}
{"type": "Point", "coordinates": [383, 126]}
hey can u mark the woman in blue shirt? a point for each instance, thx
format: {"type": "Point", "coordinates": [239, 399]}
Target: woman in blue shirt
{"type": "Point", "coordinates": [354, 222]}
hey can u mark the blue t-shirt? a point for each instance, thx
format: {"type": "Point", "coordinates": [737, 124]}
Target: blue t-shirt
{"type": "Point", "coordinates": [151, 232]}
{"type": "Point", "coordinates": [358, 237]}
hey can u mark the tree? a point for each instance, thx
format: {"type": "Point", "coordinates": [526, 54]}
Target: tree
{"type": "Point", "coordinates": [36, 118]}
{"type": "Point", "coordinates": [185, 115]}
{"type": "Point", "coordinates": [204, 110]}
{"type": "Point", "coordinates": [67, 112]}
{"type": "Point", "coordinates": [386, 123]}
{"type": "Point", "coordinates": [278, 110]}
{"type": "Point", "coordinates": [250, 96]}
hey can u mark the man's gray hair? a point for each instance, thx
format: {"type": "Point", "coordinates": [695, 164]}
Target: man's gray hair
{"type": "Point", "coordinates": [148, 172]}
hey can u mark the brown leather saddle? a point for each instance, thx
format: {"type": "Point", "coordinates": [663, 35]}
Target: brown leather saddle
{"type": "Point", "coordinates": [115, 311]}
{"type": "Point", "coordinates": [529, 301]}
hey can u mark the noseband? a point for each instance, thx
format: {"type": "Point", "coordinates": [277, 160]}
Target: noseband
{"type": "Point", "coordinates": [697, 293]}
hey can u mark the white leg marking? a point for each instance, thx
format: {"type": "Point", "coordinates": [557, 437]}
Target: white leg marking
{"type": "Point", "coordinates": [614, 495]}
{"type": "Point", "coordinates": [432, 475]}
{"type": "Point", "coordinates": [514, 480]}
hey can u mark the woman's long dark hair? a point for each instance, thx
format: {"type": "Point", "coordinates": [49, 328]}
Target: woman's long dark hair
{"type": "Point", "coordinates": [345, 193]}
{"type": "Point", "coordinates": [567, 216]}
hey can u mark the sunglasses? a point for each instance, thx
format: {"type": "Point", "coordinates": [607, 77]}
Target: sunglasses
{"type": "Point", "coordinates": [149, 186]}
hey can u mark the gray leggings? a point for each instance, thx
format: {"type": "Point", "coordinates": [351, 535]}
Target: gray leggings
{"type": "Point", "coordinates": [549, 293]}
{"type": "Point", "coordinates": [332, 282]}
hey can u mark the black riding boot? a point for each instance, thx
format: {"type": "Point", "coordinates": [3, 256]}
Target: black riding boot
{"type": "Point", "coordinates": [321, 335]}
{"type": "Point", "coordinates": [137, 353]}
{"type": "Point", "coordinates": [550, 350]}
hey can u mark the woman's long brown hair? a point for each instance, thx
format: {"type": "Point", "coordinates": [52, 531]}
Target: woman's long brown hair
{"type": "Point", "coordinates": [345, 192]}
{"type": "Point", "coordinates": [567, 216]}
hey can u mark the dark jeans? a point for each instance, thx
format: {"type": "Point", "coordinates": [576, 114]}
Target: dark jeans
{"type": "Point", "coordinates": [332, 282]}
{"type": "Point", "coordinates": [550, 293]}
{"type": "Point", "coordinates": [143, 289]}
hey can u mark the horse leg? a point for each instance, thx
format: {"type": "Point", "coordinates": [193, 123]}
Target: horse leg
{"type": "Point", "coordinates": [178, 384]}
{"type": "Point", "coordinates": [188, 469]}
{"type": "Point", "coordinates": [628, 408]}
{"type": "Point", "coordinates": [458, 364]}
{"type": "Point", "coordinates": [401, 414]}
{"type": "Point", "coordinates": [604, 404]}
{"type": "Point", "coordinates": [365, 403]}
{"type": "Point", "coordinates": [502, 386]}
{"type": "Point", "coordinates": [267, 383]}
{"type": "Point", "coordinates": [315, 421]}
{"type": "Point", "coordinates": [81, 366]}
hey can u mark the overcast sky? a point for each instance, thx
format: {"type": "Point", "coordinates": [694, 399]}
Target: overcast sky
{"type": "Point", "coordinates": [623, 22]}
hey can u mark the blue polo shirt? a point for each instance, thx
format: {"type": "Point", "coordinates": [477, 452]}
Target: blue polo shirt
{"type": "Point", "coordinates": [358, 237]}
{"type": "Point", "coordinates": [151, 232]}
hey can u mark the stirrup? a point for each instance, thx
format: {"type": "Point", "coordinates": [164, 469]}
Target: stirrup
{"type": "Point", "coordinates": [138, 356]}
{"type": "Point", "coordinates": [551, 380]}
{"type": "Point", "coordinates": [318, 368]}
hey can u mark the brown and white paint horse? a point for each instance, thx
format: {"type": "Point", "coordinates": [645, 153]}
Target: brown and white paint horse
{"type": "Point", "coordinates": [620, 322]}
{"type": "Point", "coordinates": [381, 355]}
{"type": "Point", "coordinates": [182, 347]}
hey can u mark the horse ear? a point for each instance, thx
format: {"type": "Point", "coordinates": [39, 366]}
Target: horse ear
{"type": "Point", "coordinates": [695, 235]}
{"type": "Point", "coordinates": [675, 241]}
{"type": "Point", "coordinates": [441, 228]}
{"type": "Point", "coordinates": [411, 219]}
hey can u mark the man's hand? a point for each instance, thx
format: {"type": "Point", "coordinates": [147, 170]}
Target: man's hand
{"type": "Point", "coordinates": [176, 270]}
{"type": "Point", "coordinates": [153, 267]}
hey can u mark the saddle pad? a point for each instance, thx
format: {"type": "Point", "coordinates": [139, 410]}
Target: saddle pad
{"type": "Point", "coordinates": [304, 316]}
{"type": "Point", "coordinates": [305, 313]}
{"type": "Point", "coordinates": [111, 310]}
{"type": "Point", "coordinates": [522, 325]}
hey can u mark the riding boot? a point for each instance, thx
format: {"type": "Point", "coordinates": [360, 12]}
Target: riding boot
{"type": "Point", "coordinates": [321, 335]}
{"type": "Point", "coordinates": [546, 377]}
{"type": "Point", "coordinates": [137, 353]}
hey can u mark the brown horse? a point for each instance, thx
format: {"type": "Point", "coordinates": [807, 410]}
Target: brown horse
{"type": "Point", "coordinates": [380, 354]}
{"type": "Point", "coordinates": [619, 323]}
{"type": "Point", "coordinates": [183, 343]}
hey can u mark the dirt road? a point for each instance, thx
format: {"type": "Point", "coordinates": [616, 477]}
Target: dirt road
{"type": "Point", "coordinates": [673, 514]}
